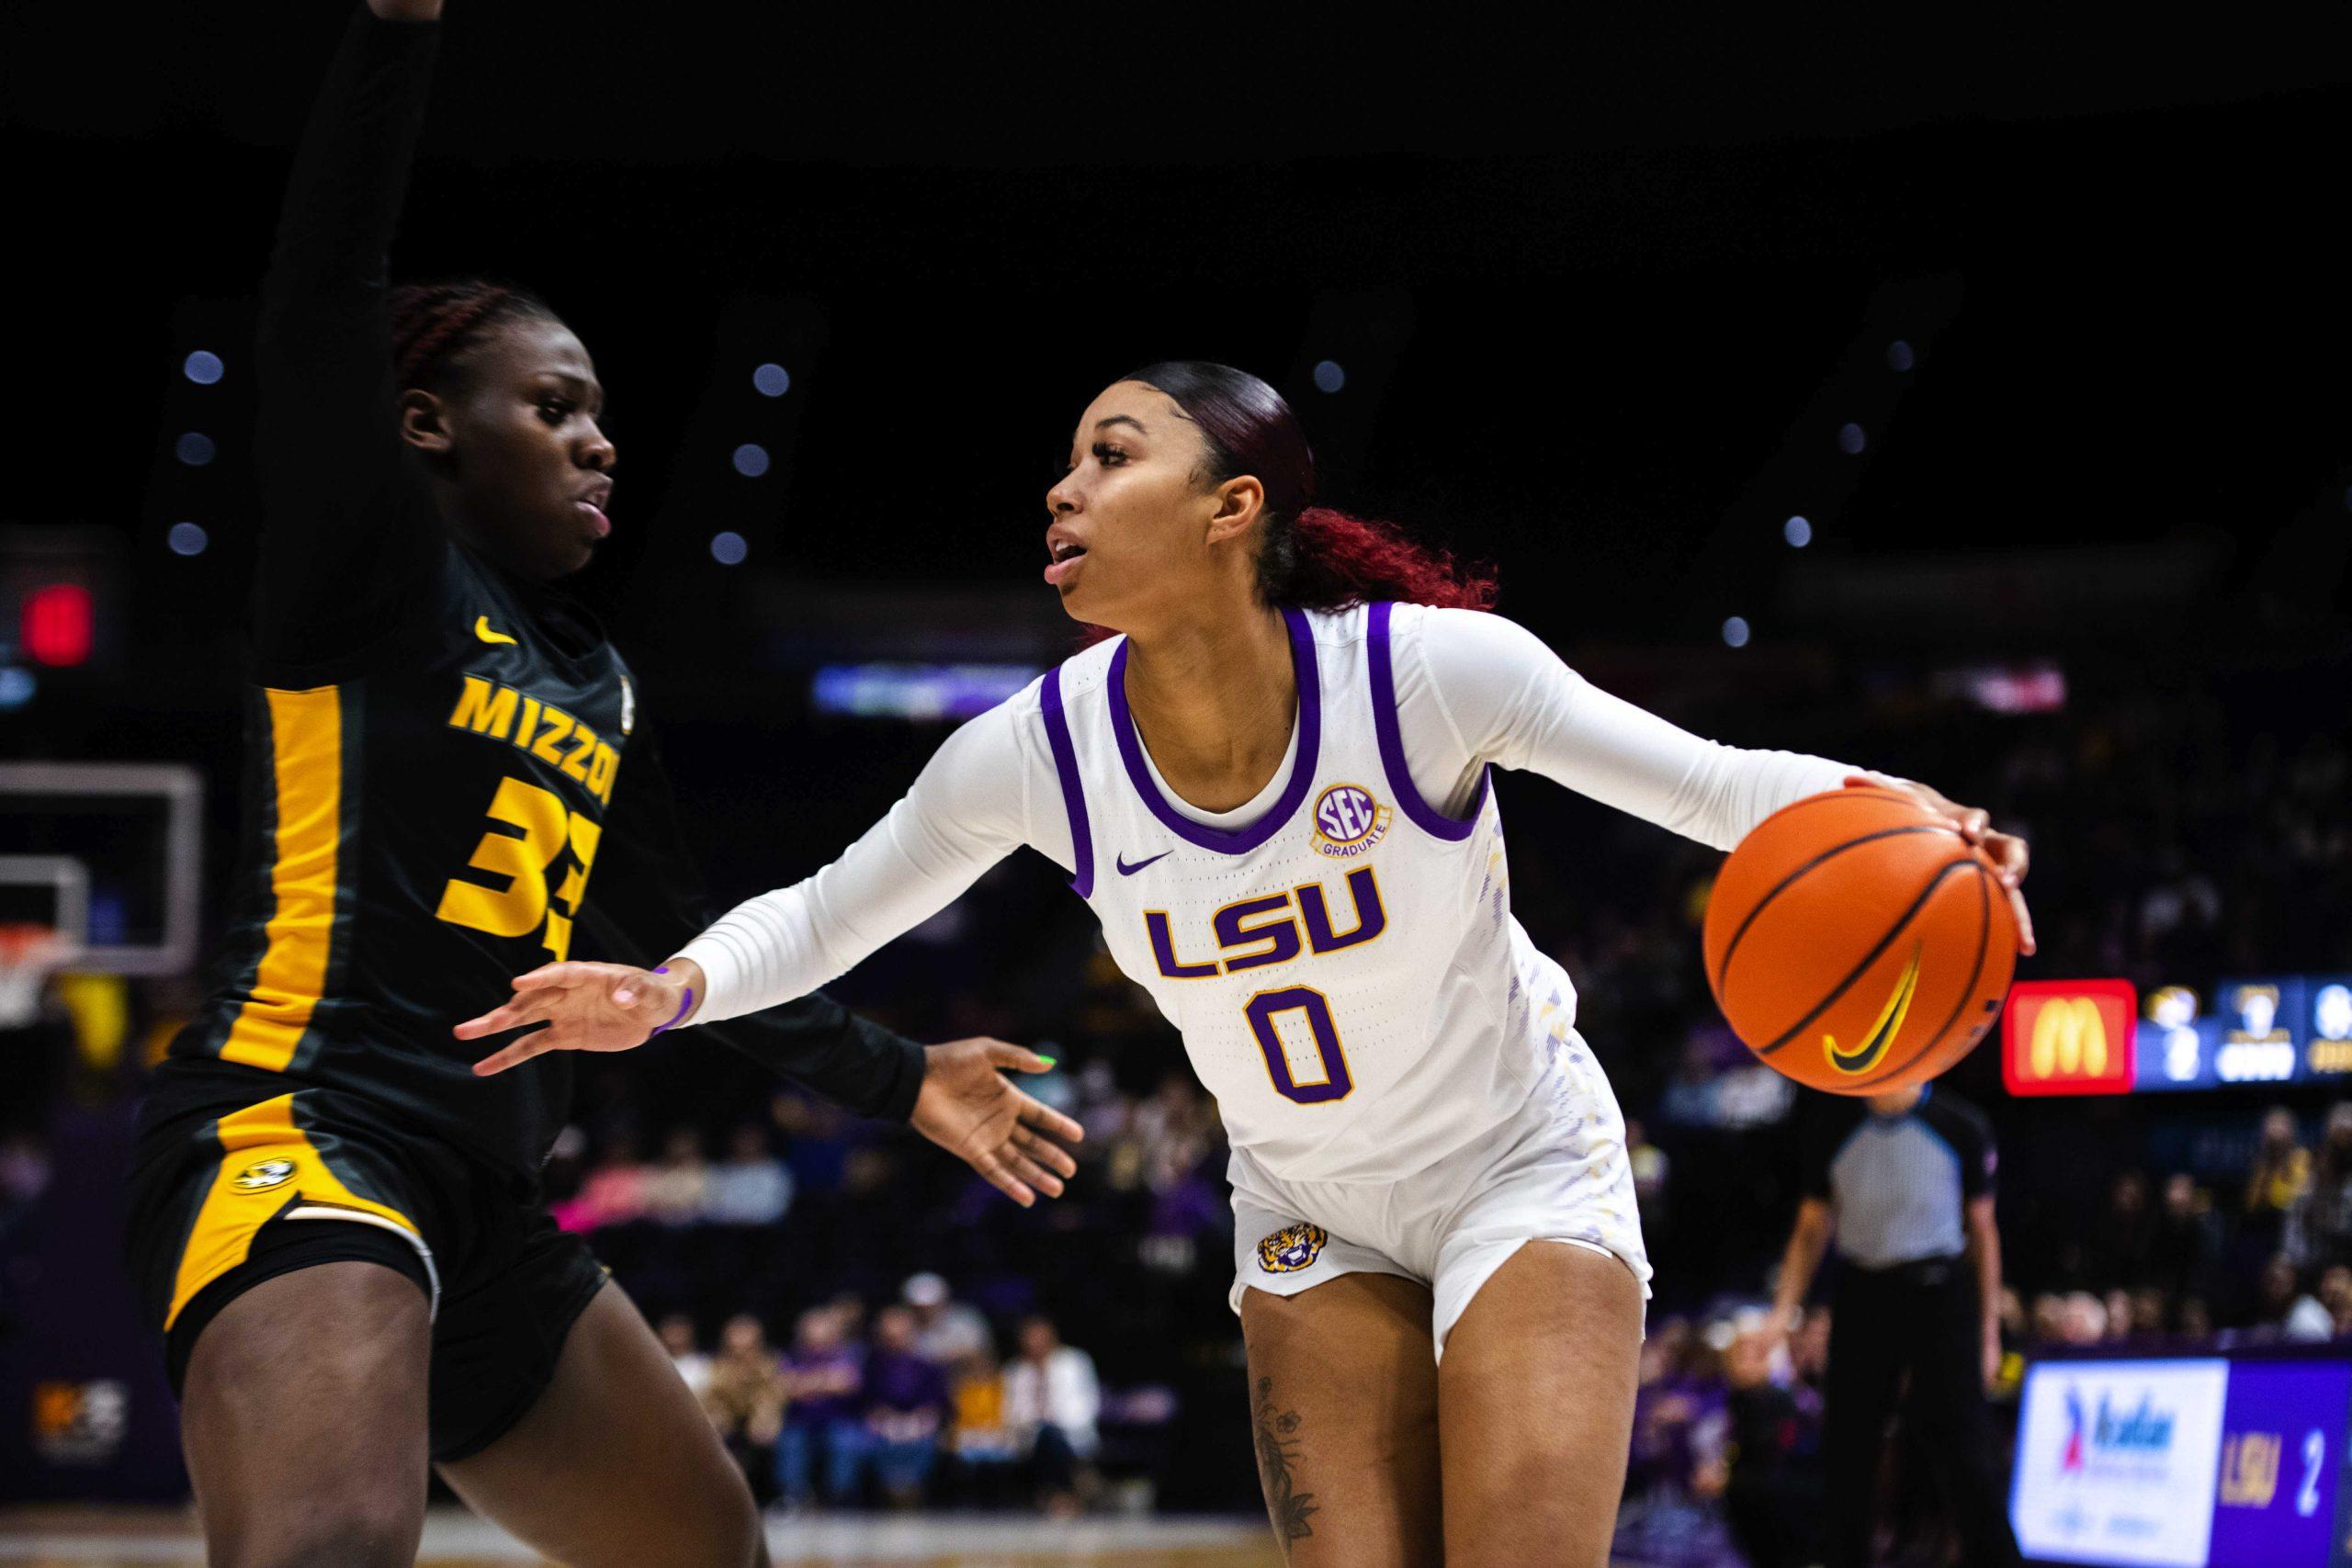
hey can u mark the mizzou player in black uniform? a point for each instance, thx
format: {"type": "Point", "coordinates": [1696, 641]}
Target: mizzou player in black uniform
{"type": "Point", "coordinates": [332, 1211]}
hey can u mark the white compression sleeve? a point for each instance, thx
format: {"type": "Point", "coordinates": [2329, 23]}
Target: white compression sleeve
{"type": "Point", "coordinates": [969, 809]}
{"type": "Point", "coordinates": [1474, 688]}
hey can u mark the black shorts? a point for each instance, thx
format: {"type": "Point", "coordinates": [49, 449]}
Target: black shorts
{"type": "Point", "coordinates": [221, 1202]}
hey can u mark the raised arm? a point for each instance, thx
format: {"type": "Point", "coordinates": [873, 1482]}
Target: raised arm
{"type": "Point", "coordinates": [348, 529]}
{"type": "Point", "coordinates": [1488, 691]}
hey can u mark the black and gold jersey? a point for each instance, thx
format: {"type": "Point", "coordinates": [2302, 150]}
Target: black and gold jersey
{"type": "Point", "coordinates": [417, 835]}
{"type": "Point", "coordinates": [446, 779]}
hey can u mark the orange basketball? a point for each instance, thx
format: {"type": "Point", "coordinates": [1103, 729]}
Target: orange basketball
{"type": "Point", "coordinates": [1858, 943]}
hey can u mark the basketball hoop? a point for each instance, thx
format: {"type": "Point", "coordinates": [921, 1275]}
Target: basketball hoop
{"type": "Point", "coordinates": [29, 953]}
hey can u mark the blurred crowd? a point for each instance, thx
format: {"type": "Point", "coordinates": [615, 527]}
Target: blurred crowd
{"type": "Point", "coordinates": [2268, 1257]}
{"type": "Point", "coordinates": [911, 1406]}
{"type": "Point", "coordinates": [798, 1270]}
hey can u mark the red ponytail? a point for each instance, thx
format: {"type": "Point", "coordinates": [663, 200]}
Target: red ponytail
{"type": "Point", "coordinates": [1325, 559]}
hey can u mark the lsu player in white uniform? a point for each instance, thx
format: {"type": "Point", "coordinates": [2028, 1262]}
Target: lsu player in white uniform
{"type": "Point", "coordinates": [1274, 791]}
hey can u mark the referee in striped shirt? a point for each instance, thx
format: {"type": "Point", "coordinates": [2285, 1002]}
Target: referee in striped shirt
{"type": "Point", "coordinates": [1902, 1182]}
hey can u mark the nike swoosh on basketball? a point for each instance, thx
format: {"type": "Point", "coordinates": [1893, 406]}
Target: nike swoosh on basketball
{"type": "Point", "coordinates": [481, 630]}
{"type": "Point", "coordinates": [1865, 1056]}
{"type": "Point", "coordinates": [1127, 870]}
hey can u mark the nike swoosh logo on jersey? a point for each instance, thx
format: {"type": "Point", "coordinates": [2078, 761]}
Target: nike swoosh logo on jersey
{"type": "Point", "coordinates": [481, 630]}
{"type": "Point", "coordinates": [1127, 870]}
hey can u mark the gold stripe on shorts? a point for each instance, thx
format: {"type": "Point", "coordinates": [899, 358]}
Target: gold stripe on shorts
{"type": "Point", "coordinates": [266, 1162]}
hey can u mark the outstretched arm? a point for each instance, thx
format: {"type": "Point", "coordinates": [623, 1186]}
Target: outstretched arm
{"type": "Point", "coordinates": [647, 899]}
{"type": "Point", "coordinates": [349, 530]}
{"type": "Point", "coordinates": [965, 812]}
{"type": "Point", "coordinates": [1499, 695]}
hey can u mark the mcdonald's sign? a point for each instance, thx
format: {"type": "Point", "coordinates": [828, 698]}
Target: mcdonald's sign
{"type": "Point", "coordinates": [2069, 1037]}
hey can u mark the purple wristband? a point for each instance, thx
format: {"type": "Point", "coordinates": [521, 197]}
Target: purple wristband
{"type": "Point", "coordinates": [684, 1007]}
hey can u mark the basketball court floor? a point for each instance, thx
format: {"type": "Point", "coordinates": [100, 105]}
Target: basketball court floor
{"type": "Point", "coordinates": [86, 1538]}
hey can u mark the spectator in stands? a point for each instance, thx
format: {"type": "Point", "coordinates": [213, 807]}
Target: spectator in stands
{"type": "Point", "coordinates": [677, 1332]}
{"type": "Point", "coordinates": [746, 1395]}
{"type": "Point", "coordinates": [2186, 1246]}
{"type": "Point", "coordinates": [1052, 1400]}
{"type": "Point", "coordinates": [818, 1137]}
{"type": "Point", "coordinates": [907, 1408]}
{"type": "Point", "coordinates": [2334, 1294]}
{"type": "Point", "coordinates": [1662, 1408]}
{"type": "Point", "coordinates": [947, 1332]}
{"type": "Point", "coordinates": [614, 1194]}
{"type": "Point", "coordinates": [825, 1374]}
{"type": "Point", "coordinates": [1175, 1125]}
{"type": "Point", "coordinates": [1103, 1110]}
{"type": "Point", "coordinates": [2121, 1318]}
{"type": "Point", "coordinates": [750, 1187]}
{"type": "Point", "coordinates": [2275, 1182]}
{"type": "Point", "coordinates": [983, 1442]}
{"type": "Point", "coordinates": [1770, 1494]}
{"type": "Point", "coordinates": [2125, 1240]}
{"type": "Point", "coordinates": [2084, 1323]}
{"type": "Point", "coordinates": [677, 1189]}
{"type": "Point", "coordinates": [2281, 1305]}
{"type": "Point", "coordinates": [2321, 1231]}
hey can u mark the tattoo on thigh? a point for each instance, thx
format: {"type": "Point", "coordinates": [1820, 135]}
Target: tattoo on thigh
{"type": "Point", "coordinates": [1278, 1443]}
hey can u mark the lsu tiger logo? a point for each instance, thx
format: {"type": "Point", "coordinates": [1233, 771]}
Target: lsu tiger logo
{"type": "Point", "coordinates": [263, 1175]}
{"type": "Point", "coordinates": [1348, 821]}
{"type": "Point", "coordinates": [1292, 1248]}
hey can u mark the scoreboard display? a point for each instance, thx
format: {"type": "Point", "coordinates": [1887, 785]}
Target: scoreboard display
{"type": "Point", "coordinates": [2102, 1037]}
{"type": "Point", "coordinates": [2188, 1462]}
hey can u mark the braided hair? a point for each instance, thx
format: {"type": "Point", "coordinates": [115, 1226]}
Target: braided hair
{"type": "Point", "coordinates": [435, 324]}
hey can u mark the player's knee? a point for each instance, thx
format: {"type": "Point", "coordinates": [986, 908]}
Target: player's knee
{"type": "Point", "coordinates": [357, 1532]}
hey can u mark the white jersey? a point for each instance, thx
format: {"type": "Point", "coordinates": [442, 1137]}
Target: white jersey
{"type": "Point", "coordinates": [1345, 969]}
{"type": "Point", "coordinates": [1339, 954]}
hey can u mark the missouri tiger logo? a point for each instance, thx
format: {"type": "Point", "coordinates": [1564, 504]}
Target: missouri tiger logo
{"type": "Point", "coordinates": [263, 1175]}
{"type": "Point", "coordinates": [1292, 1248]}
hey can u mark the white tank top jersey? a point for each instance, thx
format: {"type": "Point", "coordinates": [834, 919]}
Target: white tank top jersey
{"type": "Point", "coordinates": [1345, 970]}
{"type": "Point", "coordinates": [1339, 954]}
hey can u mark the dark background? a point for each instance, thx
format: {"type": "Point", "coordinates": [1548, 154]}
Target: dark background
{"type": "Point", "coordinates": [1603, 305]}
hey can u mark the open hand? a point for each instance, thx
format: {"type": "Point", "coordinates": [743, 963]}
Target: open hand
{"type": "Point", "coordinates": [2006, 851]}
{"type": "Point", "coordinates": [585, 1007]}
{"type": "Point", "coordinates": [970, 1109]}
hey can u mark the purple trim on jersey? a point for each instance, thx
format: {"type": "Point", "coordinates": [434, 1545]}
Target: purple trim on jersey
{"type": "Point", "coordinates": [1239, 841]}
{"type": "Point", "coordinates": [1073, 792]}
{"type": "Point", "coordinates": [1428, 818]}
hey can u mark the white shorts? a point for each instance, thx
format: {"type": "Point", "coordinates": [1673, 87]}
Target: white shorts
{"type": "Point", "coordinates": [1557, 1171]}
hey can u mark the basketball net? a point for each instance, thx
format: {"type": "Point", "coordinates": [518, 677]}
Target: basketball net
{"type": "Point", "coordinates": [28, 953]}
